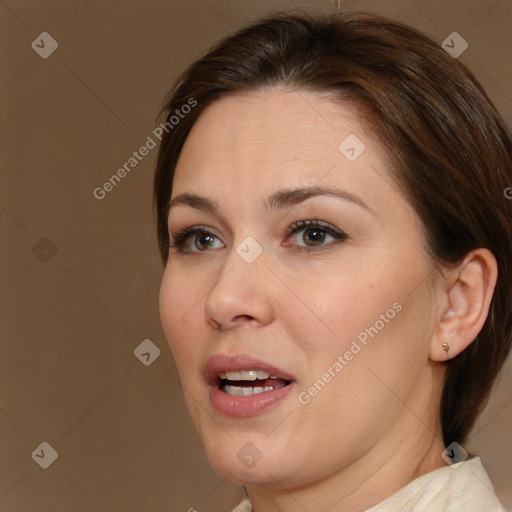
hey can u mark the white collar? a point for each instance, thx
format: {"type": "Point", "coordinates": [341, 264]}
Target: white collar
{"type": "Point", "coordinates": [463, 486]}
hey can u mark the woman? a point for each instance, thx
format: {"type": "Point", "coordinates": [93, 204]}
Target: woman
{"type": "Point", "coordinates": [336, 240]}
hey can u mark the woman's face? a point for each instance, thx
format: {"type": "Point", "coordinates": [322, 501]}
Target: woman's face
{"type": "Point", "coordinates": [306, 265]}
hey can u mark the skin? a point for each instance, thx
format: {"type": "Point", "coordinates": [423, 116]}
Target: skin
{"type": "Point", "coordinates": [374, 427]}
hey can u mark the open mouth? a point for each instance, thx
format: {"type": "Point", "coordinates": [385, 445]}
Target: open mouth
{"type": "Point", "coordinates": [249, 382]}
{"type": "Point", "coordinates": [241, 386]}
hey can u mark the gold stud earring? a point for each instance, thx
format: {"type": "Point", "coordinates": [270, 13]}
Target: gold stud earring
{"type": "Point", "coordinates": [446, 347]}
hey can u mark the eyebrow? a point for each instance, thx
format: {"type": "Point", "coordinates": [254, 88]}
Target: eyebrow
{"type": "Point", "coordinates": [279, 200]}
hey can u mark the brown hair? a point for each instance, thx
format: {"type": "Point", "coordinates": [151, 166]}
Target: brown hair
{"type": "Point", "coordinates": [451, 151]}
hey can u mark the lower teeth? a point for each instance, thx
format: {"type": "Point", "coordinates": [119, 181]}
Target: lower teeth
{"type": "Point", "coordinates": [248, 391]}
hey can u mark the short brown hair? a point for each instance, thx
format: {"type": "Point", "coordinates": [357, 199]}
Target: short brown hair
{"type": "Point", "coordinates": [451, 150]}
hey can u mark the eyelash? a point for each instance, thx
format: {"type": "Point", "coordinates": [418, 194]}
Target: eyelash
{"type": "Point", "coordinates": [181, 237]}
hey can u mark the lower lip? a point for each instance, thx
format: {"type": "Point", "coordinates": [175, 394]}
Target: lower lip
{"type": "Point", "coordinates": [241, 406]}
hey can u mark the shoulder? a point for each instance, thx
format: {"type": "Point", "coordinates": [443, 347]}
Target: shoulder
{"type": "Point", "coordinates": [463, 486]}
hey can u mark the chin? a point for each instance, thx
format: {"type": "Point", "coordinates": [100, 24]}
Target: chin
{"type": "Point", "coordinates": [261, 473]}
{"type": "Point", "coordinates": [248, 459]}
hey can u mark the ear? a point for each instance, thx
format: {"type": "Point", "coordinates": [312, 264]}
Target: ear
{"type": "Point", "coordinates": [468, 290]}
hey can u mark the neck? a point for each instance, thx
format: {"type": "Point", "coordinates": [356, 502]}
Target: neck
{"type": "Point", "coordinates": [393, 463]}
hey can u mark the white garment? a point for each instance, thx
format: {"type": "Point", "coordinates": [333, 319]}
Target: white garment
{"type": "Point", "coordinates": [462, 487]}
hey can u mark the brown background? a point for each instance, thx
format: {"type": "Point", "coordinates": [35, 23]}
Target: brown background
{"type": "Point", "coordinates": [79, 277]}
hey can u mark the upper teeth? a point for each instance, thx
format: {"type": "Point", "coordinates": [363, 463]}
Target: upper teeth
{"type": "Point", "coordinates": [246, 375]}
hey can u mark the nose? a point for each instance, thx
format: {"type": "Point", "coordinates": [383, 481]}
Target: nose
{"type": "Point", "coordinates": [241, 295]}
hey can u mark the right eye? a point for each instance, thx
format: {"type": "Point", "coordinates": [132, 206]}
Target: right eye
{"type": "Point", "coordinates": [195, 239]}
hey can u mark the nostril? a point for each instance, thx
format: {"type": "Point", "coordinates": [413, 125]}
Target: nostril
{"type": "Point", "coordinates": [213, 323]}
{"type": "Point", "coordinates": [243, 317]}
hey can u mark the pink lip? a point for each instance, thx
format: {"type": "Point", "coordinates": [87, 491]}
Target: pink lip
{"type": "Point", "coordinates": [241, 406]}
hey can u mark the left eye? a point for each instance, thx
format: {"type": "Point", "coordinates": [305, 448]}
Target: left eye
{"type": "Point", "coordinates": [314, 233]}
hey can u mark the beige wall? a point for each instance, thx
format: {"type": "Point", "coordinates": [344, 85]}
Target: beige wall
{"type": "Point", "coordinates": [79, 276]}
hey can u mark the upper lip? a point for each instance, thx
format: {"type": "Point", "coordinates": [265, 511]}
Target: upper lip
{"type": "Point", "coordinates": [222, 363]}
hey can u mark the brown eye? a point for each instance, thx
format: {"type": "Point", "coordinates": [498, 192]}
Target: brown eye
{"type": "Point", "coordinates": [203, 241]}
{"type": "Point", "coordinates": [314, 236]}
{"type": "Point", "coordinates": [195, 239]}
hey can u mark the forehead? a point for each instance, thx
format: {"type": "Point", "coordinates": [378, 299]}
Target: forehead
{"type": "Point", "coordinates": [277, 138]}
{"type": "Point", "coordinates": [269, 124]}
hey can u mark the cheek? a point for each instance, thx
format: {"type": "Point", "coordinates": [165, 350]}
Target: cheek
{"type": "Point", "coordinates": [368, 303]}
{"type": "Point", "coordinates": [179, 303]}
{"type": "Point", "coordinates": [342, 303]}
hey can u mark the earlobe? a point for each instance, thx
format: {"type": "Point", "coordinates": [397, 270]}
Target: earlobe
{"type": "Point", "coordinates": [468, 292]}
